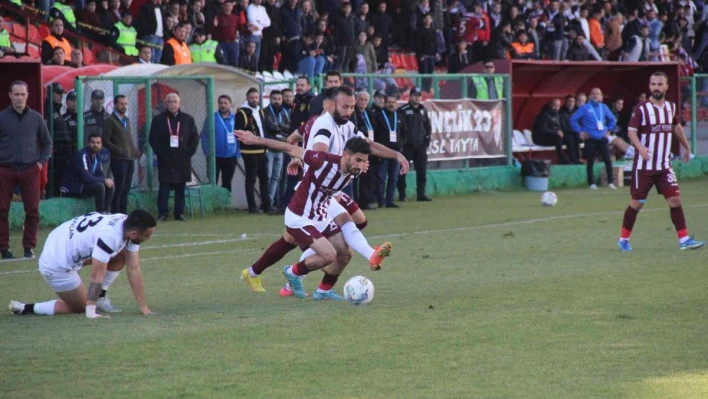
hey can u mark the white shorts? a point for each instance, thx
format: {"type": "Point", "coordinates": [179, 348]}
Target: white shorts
{"type": "Point", "coordinates": [61, 281]}
{"type": "Point", "coordinates": [294, 221]}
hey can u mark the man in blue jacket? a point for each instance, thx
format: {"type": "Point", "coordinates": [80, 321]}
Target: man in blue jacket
{"type": "Point", "coordinates": [84, 176]}
{"type": "Point", "coordinates": [225, 142]}
{"type": "Point", "coordinates": [594, 122]}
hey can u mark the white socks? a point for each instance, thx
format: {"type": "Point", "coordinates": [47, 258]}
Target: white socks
{"type": "Point", "coordinates": [251, 272]}
{"type": "Point", "coordinates": [108, 279]}
{"type": "Point", "coordinates": [630, 152]}
{"type": "Point", "coordinates": [357, 241]}
{"type": "Point", "coordinates": [45, 308]}
{"type": "Point", "coordinates": [308, 252]}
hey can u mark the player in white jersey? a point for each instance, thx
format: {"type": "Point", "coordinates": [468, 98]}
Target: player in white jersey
{"type": "Point", "coordinates": [329, 133]}
{"type": "Point", "coordinates": [107, 242]}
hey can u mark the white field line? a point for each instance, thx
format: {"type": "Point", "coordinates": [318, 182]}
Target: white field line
{"type": "Point", "coordinates": [422, 232]}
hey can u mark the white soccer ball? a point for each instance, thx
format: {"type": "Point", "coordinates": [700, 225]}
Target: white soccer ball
{"type": "Point", "coordinates": [359, 290]}
{"type": "Point", "coordinates": [549, 199]}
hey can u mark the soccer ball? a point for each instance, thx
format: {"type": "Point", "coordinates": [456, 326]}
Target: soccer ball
{"type": "Point", "coordinates": [359, 290]}
{"type": "Point", "coordinates": [549, 199]}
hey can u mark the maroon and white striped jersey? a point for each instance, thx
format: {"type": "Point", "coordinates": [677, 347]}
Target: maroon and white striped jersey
{"type": "Point", "coordinates": [322, 180]}
{"type": "Point", "coordinates": [654, 126]}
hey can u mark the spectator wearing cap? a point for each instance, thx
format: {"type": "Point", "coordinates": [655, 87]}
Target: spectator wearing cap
{"type": "Point", "coordinates": [522, 49]}
{"type": "Point", "coordinates": [55, 39]}
{"type": "Point", "coordinates": [415, 144]}
{"type": "Point", "coordinates": [379, 102]}
{"type": "Point", "coordinates": [487, 87]}
{"type": "Point", "coordinates": [145, 54]}
{"type": "Point", "coordinates": [93, 123]}
{"type": "Point", "coordinates": [150, 27]}
{"type": "Point", "coordinates": [225, 29]}
{"type": "Point", "coordinates": [63, 151]}
{"type": "Point", "coordinates": [84, 176]}
{"type": "Point", "coordinates": [118, 140]}
{"type": "Point", "coordinates": [176, 51]}
{"type": "Point", "coordinates": [204, 50]}
{"type": "Point", "coordinates": [125, 35]}
{"type": "Point", "coordinates": [258, 20]}
{"type": "Point", "coordinates": [25, 148]}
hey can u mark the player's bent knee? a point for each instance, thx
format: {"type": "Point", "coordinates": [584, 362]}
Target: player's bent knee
{"type": "Point", "coordinates": [342, 219]}
{"type": "Point", "coordinates": [674, 202]}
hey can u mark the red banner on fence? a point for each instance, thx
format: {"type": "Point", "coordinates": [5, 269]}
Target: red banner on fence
{"type": "Point", "coordinates": [465, 129]}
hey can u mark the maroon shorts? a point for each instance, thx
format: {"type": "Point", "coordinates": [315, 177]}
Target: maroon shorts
{"type": "Point", "coordinates": [348, 203]}
{"type": "Point", "coordinates": [305, 236]}
{"type": "Point", "coordinates": [664, 180]}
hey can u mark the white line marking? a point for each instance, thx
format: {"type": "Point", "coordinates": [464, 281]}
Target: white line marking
{"type": "Point", "coordinates": [466, 228]}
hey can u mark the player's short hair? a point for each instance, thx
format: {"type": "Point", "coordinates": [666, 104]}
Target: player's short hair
{"type": "Point", "coordinates": [139, 220]}
{"type": "Point", "coordinates": [225, 96]}
{"type": "Point", "coordinates": [252, 90]}
{"type": "Point", "coordinates": [665, 76]}
{"type": "Point", "coordinates": [336, 91]}
{"type": "Point", "coordinates": [276, 93]}
{"type": "Point", "coordinates": [357, 145]}
{"type": "Point", "coordinates": [94, 135]}
{"type": "Point", "coordinates": [118, 97]}
{"type": "Point", "coordinates": [17, 83]}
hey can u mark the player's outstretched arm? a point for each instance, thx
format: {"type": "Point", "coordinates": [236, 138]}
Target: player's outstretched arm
{"type": "Point", "coordinates": [249, 138]}
{"type": "Point", "coordinates": [98, 272]}
{"type": "Point", "coordinates": [135, 278]}
{"type": "Point", "coordinates": [382, 151]}
{"type": "Point", "coordinates": [294, 138]}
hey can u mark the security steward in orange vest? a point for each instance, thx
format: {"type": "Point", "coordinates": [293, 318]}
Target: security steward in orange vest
{"type": "Point", "coordinates": [55, 39]}
{"type": "Point", "coordinates": [522, 49]}
{"type": "Point", "coordinates": [176, 50]}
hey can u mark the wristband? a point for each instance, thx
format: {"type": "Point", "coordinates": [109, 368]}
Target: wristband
{"type": "Point", "coordinates": [91, 311]}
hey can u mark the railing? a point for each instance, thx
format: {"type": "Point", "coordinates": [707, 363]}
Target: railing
{"type": "Point", "coordinates": [698, 102]}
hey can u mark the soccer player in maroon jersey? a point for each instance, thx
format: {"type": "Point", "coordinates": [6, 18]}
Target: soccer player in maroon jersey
{"type": "Point", "coordinates": [650, 130]}
{"type": "Point", "coordinates": [307, 217]}
{"type": "Point", "coordinates": [339, 104]}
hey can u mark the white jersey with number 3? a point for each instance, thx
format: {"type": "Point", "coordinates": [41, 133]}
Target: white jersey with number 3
{"type": "Point", "coordinates": [92, 235]}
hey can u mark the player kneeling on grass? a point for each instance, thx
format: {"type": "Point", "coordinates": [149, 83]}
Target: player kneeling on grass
{"type": "Point", "coordinates": [307, 217]}
{"type": "Point", "coordinates": [108, 242]}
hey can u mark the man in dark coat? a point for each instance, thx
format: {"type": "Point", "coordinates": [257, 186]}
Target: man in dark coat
{"type": "Point", "coordinates": [174, 138]}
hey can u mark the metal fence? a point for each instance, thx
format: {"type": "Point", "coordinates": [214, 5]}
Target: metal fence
{"type": "Point", "coordinates": [694, 103]}
{"type": "Point", "coordinates": [146, 100]}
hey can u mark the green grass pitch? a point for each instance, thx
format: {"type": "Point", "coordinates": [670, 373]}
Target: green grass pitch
{"type": "Point", "coordinates": [486, 295]}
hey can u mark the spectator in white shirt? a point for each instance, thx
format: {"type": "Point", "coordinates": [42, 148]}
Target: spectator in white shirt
{"type": "Point", "coordinates": [257, 20]}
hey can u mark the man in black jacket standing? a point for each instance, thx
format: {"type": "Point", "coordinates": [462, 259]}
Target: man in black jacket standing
{"type": "Point", "coordinates": [415, 144]}
{"type": "Point", "coordinates": [277, 127]}
{"type": "Point", "coordinates": [118, 139]}
{"type": "Point", "coordinates": [301, 104]}
{"type": "Point", "coordinates": [174, 138]}
{"type": "Point", "coordinates": [426, 49]}
{"type": "Point", "coordinates": [344, 37]}
{"type": "Point", "coordinates": [365, 190]}
{"type": "Point", "coordinates": [547, 132]}
{"type": "Point", "coordinates": [250, 117]}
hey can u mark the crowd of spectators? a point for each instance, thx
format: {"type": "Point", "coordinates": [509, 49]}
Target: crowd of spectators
{"type": "Point", "coordinates": [311, 37]}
